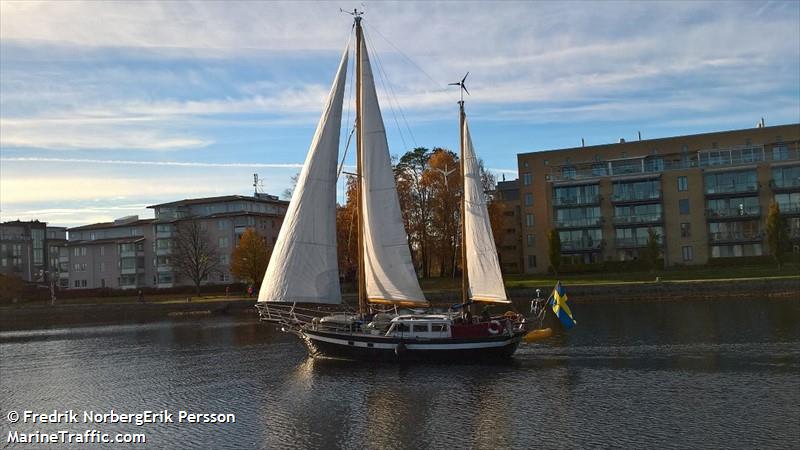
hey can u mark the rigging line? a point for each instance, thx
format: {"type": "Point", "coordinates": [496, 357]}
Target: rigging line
{"type": "Point", "coordinates": [438, 85]}
{"type": "Point", "coordinates": [381, 76]}
{"type": "Point", "coordinates": [397, 102]}
{"type": "Point", "coordinates": [350, 97]}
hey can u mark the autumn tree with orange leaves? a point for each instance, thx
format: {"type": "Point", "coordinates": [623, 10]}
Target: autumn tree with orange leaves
{"type": "Point", "coordinates": [250, 258]}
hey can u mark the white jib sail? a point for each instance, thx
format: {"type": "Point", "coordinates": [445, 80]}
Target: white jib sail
{"type": "Point", "coordinates": [390, 275]}
{"type": "Point", "coordinates": [303, 266]}
{"type": "Point", "coordinates": [483, 267]}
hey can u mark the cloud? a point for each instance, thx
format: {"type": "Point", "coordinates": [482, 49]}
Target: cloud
{"type": "Point", "coordinates": [77, 134]}
{"type": "Point", "coordinates": [154, 163]}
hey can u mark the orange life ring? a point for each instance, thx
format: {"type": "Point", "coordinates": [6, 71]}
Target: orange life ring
{"type": "Point", "coordinates": [495, 327]}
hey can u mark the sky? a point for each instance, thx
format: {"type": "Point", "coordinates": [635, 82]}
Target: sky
{"type": "Point", "coordinates": [107, 107]}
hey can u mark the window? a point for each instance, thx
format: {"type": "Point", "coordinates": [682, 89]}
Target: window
{"type": "Point", "coordinates": [529, 220]}
{"type": "Point", "coordinates": [401, 327]}
{"type": "Point", "coordinates": [102, 267]}
{"type": "Point", "coordinates": [687, 253]}
{"type": "Point", "coordinates": [224, 277]}
{"type": "Point", "coordinates": [683, 205]}
{"type": "Point", "coordinates": [526, 179]}
{"type": "Point", "coordinates": [420, 328]}
{"type": "Point", "coordinates": [525, 164]}
{"type": "Point", "coordinates": [222, 225]}
{"type": "Point", "coordinates": [528, 199]}
{"type": "Point", "coordinates": [531, 240]}
{"type": "Point", "coordinates": [568, 172]}
{"type": "Point", "coordinates": [224, 259]}
{"type": "Point", "coordinates": [686, 229]}
{"type": "Point", "coordinates": [102, 250]}
{"type": "Point", "coordinates": [83, 283]}
{"type": "Point", "coordinates": [780, 153]}
{"type": "Point", "coordinates": [223, 242]}
{"type": "Point", "coordinates": [439, 327]}
{"type": "Point", "coordinates": [77, 283]}
{"type": "Point", "coordinates": [683, 184]}
{"type": "Point", "coordinates": [531, 261]}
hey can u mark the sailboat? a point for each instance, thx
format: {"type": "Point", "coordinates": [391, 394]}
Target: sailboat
{"type": "Point", "coordinates": [301, 291]}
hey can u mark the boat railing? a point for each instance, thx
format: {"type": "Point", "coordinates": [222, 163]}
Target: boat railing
{"type": "Point", "coordinates": [292, 315]}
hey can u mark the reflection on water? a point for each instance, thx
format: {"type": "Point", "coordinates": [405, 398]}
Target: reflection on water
{"type": "Point", "coordinates": [677, 374]}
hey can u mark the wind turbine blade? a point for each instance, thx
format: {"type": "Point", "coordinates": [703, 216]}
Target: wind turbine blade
{"type": "Point", "coordinates": [465, 77]}
{"type": "Point", "coordinates": [465, 89]}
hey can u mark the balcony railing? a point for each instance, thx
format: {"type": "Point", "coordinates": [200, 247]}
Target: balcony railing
{"type": "Point", "coordinates": [579, 223]}
{"type": "Point", "coordinates": [637, 219]}
{"type": "Point", "coordinates": [737, 188]}
{"type": "Point", "coordinates": [576, 201]}
{"type": "Point", "coordinates": [733, 213]}
{"type": "Point", "coordinates": [581, 244]}
{"type": "Point", "coordinates": [789, 208]}
{"type": "Point", "coordinates": [633, 242]}
{"type": "Point", "coordinates": [636, 197]}
{"type": "Point", "coordinates": [784, 184]}
{"type": "Point", "coordinates": [735, 237]}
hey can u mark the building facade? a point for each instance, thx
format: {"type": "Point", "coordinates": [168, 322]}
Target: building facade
{"type": "Point", "coordinates": [131, 253]}
{"type": "Point", "coordinates": [223, 220]}
{"type": "Point", "coordinates": [30, 250]}
{"type": "Point", "coordinates": [705, 196]}
{"type": "Point", "coordinates": [509, 241]}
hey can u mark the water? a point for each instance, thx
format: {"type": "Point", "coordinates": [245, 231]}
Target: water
{"type": "Point", "coordinates": [677, 374]}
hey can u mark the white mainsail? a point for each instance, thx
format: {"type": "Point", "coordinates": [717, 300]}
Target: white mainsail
{"type": "Point", "coordinates": [303, 266]}
{"type": "Point", "coordinates": [483, 268]}
{"type": "Point", "coordinates": [390, 275]}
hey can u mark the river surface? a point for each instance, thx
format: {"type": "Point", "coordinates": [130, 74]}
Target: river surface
{"type": "Point", "coordinates": [655, 375]}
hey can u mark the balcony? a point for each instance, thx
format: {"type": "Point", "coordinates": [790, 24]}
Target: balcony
{"type": "Point", "coordinates": [576, 201]}
{"type": "Point", "coordinates": [163, 234]}
{"type": "Point", "coordinates": [735, 237]}
{"type": "Point", "coordinates": [789, 209]}
{"type": "Point", "coordinates": [638, 219]}
{"type": "Point", "coordinates": [737, 188]}
{"type": "Point", "coordinates": [733, 213]}
{"type": "Point", "coordinates": [164, 268]}
{"type": "Point", "coordinates": [163, 251]}
{"type": "Point", "coordinates": [131, 270]}
{"type": "Point", "coordinates": [633, 242]}
{"type": "Point", "coordinates": [591, 222]}
{"type": "Point", "coordinates": [636, 197]}
{"type": "Point", "coordinates": [785, 185]}
{"type": "Point", "coordinates": [581, 245]}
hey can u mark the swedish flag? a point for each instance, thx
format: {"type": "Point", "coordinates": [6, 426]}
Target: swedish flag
{"type": "Point", "coordinates": [558, 301]}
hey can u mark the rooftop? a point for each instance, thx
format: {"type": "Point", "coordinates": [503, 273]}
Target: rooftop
{"type": "Point", "coordinates": [663, 140]}
{"type": "Point", "coordinates": [114, 224]}
{"type": "Point", "coordinates": [262, 198]}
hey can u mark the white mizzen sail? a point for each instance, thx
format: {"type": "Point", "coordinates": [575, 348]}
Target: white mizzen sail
{"type": "Point", "coordinates": [303, 266]}
{"type": "Point", "coordinates": [483, 268]}
{"type": "Point", "coordinates": [390, 276]}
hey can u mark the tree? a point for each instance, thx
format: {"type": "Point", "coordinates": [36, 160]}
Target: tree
{"type": "Point", "coordinates": [777, 238]}
{"type": "Point", "coordinates": [193, 255]}
{"type": "Point", "coordinates": [250, 259]}
{"type": "Point", "coordinates": [347, 232]}
{"type": "Point", "coordinates": [287, 193]}
{"type": "Point", "coordinates": [444, 179]}
{"type": "Point", "coordinates": [554, 250]}
{"type": "Point", "coordinates": [414, 192]}
{"type": "Point", "coordinates": [652, 250]}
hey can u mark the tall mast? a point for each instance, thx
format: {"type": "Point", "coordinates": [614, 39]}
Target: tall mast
{"type": "Point", "coordinates": [461, 119]}
{"type": "Point", "coordinates": [464, 272]}
{"type": "Point", "coordinates": [362, 289]}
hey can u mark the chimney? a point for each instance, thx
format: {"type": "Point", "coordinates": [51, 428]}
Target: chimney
{"type": "Point", "coordinates": [621, 140]}
{"type": "Point", "coordinates": [640, 135]}
{"type": "Point", "coordinates": [583, 143]}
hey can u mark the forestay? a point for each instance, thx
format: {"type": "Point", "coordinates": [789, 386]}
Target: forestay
{"type": "Point", "coordinates": [483, 268]}
{"type": "Point", "coordinates": [303, 266]}
{"type": "Point", "coordinates": [390, 276]}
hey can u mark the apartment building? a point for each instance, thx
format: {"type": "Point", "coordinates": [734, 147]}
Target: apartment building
{"type": "Point", "coordinates": [131, 253]}
{"type": "Point", "coordinates": [110, 254]}
{"type": "Point", "coordinates": [509, 241]}
{"type": "Point", "coordinates": [30, 249]}
{"type": "Point", "coordinates": [224, 219]}
{"type": "Point", "coordinates": [705, 196]}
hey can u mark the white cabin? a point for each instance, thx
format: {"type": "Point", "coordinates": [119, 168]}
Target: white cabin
{"type": "Point", "coordinates": [421, 326]}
